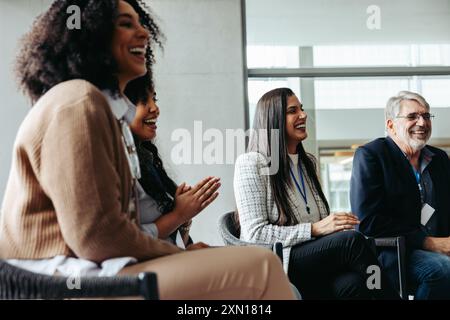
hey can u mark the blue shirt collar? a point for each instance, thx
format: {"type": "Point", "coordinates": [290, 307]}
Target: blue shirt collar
{"type": "Point", "coordinates": [426, 155]}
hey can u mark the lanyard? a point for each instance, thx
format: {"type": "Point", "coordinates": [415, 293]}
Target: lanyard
{"type": "Point", "coordinates": [418, 177]}
{"type": "Point", "coordinates": [303, 189]}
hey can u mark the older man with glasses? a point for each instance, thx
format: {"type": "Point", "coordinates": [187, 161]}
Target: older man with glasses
{"type": "Point", "coordinates": [401, 186]}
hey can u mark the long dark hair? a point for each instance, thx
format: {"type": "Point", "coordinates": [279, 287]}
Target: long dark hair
{"type": "Point", "coordinates": [51, 53]}
{"type": "Point", "coordinates": [271, 115]}
{"type": "Point", "coordinates": [154, 179]}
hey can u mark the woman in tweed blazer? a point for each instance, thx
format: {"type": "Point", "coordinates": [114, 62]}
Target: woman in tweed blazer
{"type": "Point", "coordinates": [279, 198]}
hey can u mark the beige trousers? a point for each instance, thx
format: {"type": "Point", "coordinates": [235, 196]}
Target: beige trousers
{"type": "Point", "coordinates": [219, 273]}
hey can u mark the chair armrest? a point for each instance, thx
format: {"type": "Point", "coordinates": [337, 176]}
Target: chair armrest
{"type": "Point", "coordinates": [399, 244]}
{"type": "Point", "coordinates": [143, 285]}
{"type": "Point", "coordinates": [278, 249]}
{"type": "Point", "coordinates": [386, 242]}
{"type": "Point", "coordinates": [149, 285]}
{"type": "Point", "coordinates": [17, 283]}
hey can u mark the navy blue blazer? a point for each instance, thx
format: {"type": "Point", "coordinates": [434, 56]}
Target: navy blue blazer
{"type": "Point", "coordinates": [385, 196]}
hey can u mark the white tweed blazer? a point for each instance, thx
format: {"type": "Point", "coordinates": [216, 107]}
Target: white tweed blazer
{"type": "Point", "coordinates": [258, 211]}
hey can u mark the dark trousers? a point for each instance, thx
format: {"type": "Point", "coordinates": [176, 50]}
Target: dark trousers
{"type": "Point", "coordinates": [336, 267]}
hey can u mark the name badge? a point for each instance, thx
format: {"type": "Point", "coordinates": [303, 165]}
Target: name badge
{"type": "Point", "coordinates": [425, 215]}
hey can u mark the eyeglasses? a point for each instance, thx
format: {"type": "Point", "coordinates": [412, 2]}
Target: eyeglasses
{"type": "Point", "coordinates": [415, 116]}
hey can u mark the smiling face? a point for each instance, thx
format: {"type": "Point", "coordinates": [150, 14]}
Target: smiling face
{"type": "Point", "coordinates": [412, 134]}
{"type": "Point", "coordinates": [295, 123]}
{"type": "Point", "coordinates": [144, 122]}
{"type": "Point", "coordinates": [129, 44]}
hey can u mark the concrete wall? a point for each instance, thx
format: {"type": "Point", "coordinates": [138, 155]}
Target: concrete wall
{"type": "Point", "coordinates": [16, 17]}
{"type": "Point", "coordinates": [199, 77]}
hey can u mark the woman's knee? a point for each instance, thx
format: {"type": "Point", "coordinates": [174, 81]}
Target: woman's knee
{"type": "Point", "coordinates": [259, 254]}
{"type": "Point", "coordinates": [355, 235]}
{"type": "Point", "coordinates": [351, 236]}
{"type": "Point", "coordinates": [350, 285]}
{"type": "Point", "coordinates": [262, 269]}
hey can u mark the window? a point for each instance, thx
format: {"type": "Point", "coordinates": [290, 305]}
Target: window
{"type": "Point", "coordinates": [436, 91]}
{"type": "Point", "coordinates": [382, 55]}
{"type": "Point", "coordinates": [368, 55]}
{"type": "Point", "coordinates": [366, 93]}
{"type": "Point", "coordinates": [350, 70]}
{"type": "Point", "coordinates": [336, 167]}
{"type": "Point", "coordinates": [257, 87]}
{"type": "Point", "coordinates": [359, 93]}
{"type": "Point", "coordinates": [272, 57]}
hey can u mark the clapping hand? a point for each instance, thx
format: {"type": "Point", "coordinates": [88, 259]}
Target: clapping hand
{"type": "Point", "coordinates": [190, 201]}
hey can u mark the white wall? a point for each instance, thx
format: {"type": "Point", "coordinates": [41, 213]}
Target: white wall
{"type": "Point", "coordinates": [16, 17]}
{"type": "Point", "coordinates": [307, 23]}
{"type": "Point", "coordinates": [199, 77]}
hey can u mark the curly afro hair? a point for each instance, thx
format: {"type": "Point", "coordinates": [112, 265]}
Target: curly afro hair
{"type": "Point", "coordinates": [52, 53]}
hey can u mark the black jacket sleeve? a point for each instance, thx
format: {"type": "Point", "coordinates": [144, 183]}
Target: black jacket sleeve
{"type": "Point", "coordinates": [369, 202]}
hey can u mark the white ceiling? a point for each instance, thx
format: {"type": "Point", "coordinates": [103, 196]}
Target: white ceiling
{"type": "Point", "coordinates": [313, 22]}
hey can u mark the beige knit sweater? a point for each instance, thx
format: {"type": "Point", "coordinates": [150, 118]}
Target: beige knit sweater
{"type": "Point", "coordinates": [70, 184]}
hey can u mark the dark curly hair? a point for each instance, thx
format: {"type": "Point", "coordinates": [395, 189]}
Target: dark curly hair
{"type": "Point", "coordinates": [154, 179]}
{"type": "Point", "coordinates": [52, 53]}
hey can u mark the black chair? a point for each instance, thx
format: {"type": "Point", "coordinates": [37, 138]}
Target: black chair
{"type": "Point", "coordinates": [17, 283]}
{"type": "Point", "coordinates": [399, 244]}
{"type": "Point", "coordinates": [230, 236]}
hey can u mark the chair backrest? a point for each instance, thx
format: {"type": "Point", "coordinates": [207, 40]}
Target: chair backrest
{"type": "Point", "coordinates": [17, 283]}
{"type": "Point", "coordinates": [230, 234]}
{"type": "Point", "coordinates": [229, 231]}
{"type": "Point", "coordinates": [400, 245]}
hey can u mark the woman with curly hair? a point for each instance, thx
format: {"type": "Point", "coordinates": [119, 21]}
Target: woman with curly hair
{"type": "Point", "coordinates": [166, 209]}
{"type": "Point", "coordinates": [70, 204]}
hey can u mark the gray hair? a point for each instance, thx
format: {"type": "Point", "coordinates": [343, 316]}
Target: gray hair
{"type": "Point", "coordinates": [393, 105]}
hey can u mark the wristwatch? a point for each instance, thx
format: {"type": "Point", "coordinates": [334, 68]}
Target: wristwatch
{"type": "Point", "coordinates": [185, 226]}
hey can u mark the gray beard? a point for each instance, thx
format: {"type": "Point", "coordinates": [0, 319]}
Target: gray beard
{"type": "Point", "coordinates": [416, 145]}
